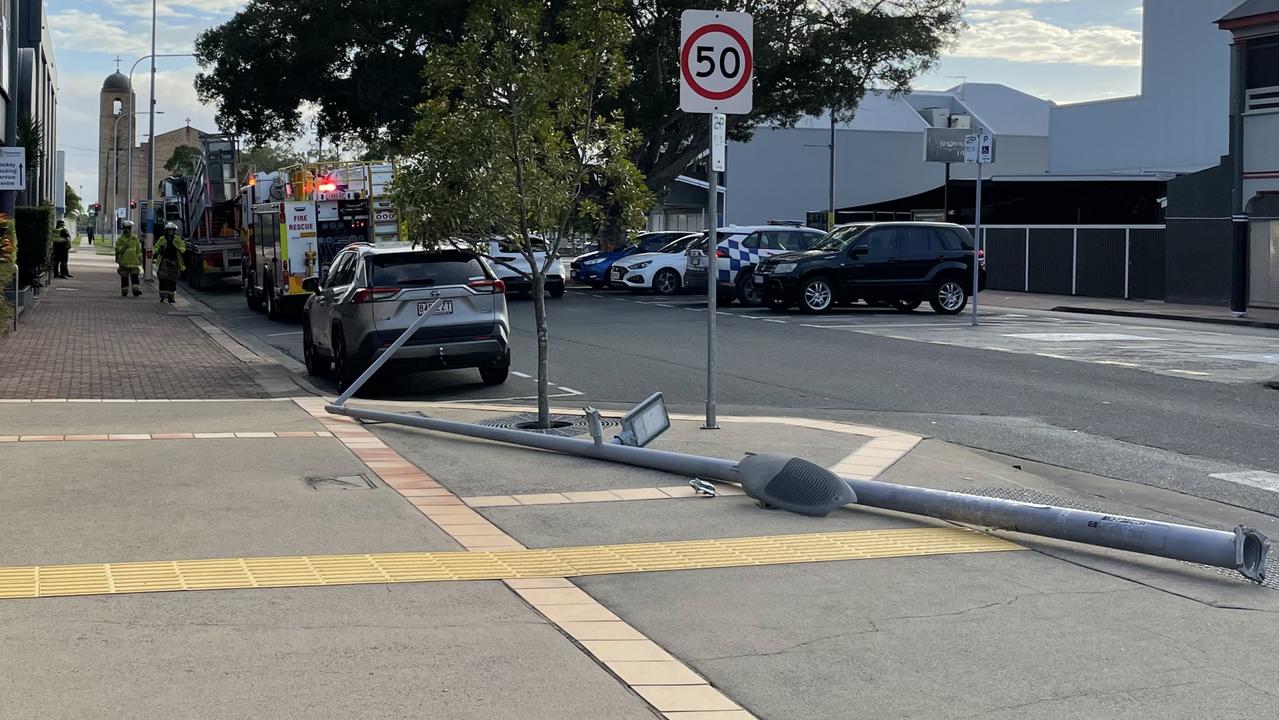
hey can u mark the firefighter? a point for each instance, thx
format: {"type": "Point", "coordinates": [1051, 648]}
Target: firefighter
{"type": "Point", "coordinates": [169, 250]}
{"type": "Point", "coordinates": [128, 260]}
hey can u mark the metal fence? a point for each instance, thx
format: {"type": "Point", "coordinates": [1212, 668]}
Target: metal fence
{"type": "Point", "coordinates": [1120, 261]}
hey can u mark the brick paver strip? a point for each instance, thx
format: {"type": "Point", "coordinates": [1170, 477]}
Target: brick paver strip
{"type": "Point", "coordinates": [95, 344]}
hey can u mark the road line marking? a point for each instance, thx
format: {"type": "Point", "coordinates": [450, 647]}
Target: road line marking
{"type": "Point", "coordinates": [665, 305]}
{"type": "Point", "coordinates": [569, 390]}
{"type": "Point", "coordinates": [1253, 478]}
{"type": "Point", "coordinates": [1055, 357]}
{"type": "Point", "coordinates": [517, 373]}
{"type": "Point", "coordinates": [773, 320]}
{"type": "Point", "coordinates": [1117, 362]}
{"type": "Point", "coordinates": [1190, 372]}
{"type": "Point", "coordinates": [35, 581]}
{"type": "Point", "coordinates": [295, 332]}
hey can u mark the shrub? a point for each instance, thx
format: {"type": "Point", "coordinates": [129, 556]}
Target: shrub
{"type": "Point", "coordinates": [34, 227]}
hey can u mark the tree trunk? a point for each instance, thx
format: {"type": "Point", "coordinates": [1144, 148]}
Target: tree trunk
{"type": "Point", "coordinates": [539, 319]}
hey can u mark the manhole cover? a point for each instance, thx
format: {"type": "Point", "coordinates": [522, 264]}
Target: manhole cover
{"type": "Point", "coordinates": [1037, 498]}
{"type": "Point", "coordinates": [564, 425]}
{"type": "Point", "coordinates": [340, 482]}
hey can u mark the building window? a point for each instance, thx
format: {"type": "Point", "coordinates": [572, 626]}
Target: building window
{"type": "Point", "coordinates": [1262, 63]}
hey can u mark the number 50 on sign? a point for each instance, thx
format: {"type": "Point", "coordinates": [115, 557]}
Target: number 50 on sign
{"type": "Point", "coordinates": [717, 66]}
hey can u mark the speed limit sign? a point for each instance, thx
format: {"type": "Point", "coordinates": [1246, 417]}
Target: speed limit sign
{"type": "Point", "coordinates": [716, 64]}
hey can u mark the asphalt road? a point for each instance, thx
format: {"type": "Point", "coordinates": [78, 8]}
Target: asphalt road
{"type": "Point", "coordinates": [1065, 401]}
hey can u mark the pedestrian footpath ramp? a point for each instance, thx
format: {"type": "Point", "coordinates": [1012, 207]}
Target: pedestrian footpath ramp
{"type": "Point", "coordinates": [82, 340]}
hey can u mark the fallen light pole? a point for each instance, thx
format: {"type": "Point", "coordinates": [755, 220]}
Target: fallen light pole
{"type": "Point", "coordinates": [800, 486]}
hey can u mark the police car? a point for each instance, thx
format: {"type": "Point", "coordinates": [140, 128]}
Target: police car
{"type": "Point", "coordinates": [739, 250]}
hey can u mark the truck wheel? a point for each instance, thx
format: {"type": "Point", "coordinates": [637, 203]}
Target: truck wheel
{"type": "Point", "coordinates": [272, 305]}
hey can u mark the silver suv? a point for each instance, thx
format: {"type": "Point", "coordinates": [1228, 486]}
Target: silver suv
{"type": "Point", "coordinates": [370, 295]}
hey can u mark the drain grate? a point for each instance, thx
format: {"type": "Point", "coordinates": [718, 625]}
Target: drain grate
{"type": "Point", "coordinates": [565, 425]}
{"type": "Point", "coordinates": [340, 482]}
{"type": "Point", "coordinates": [1038, 498]}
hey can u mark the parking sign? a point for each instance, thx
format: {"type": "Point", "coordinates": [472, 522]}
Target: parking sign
{"type": "Point", "coordinates": [717, 66]}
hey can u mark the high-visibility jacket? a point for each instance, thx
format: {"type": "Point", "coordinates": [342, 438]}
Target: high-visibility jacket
{"type": "Point", "coordinates": [161, 246]}
{"type": "Point", "coordinates": [128, 251]}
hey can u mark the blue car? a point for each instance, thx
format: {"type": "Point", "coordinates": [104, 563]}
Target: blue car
{"type": "Point", "coordinates": [593, 267]}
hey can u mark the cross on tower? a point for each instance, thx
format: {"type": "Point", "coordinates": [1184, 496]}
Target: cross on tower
{"type": "Point", "coordinates": [117, 63]}
{"type": "Point", "coordinates": [188, 122]}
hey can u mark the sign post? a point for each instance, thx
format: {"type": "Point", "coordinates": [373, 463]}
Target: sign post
{"type": "Point", "coordinates": [716, 77]}
{"type": "Point", "coordinates": [978, 148]}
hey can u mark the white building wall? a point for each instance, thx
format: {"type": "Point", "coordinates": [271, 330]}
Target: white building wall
{"type": "Point", "coordinates": [1179, 123]}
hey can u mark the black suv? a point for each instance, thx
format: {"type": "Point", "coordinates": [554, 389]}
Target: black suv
{"type": "Point", "coordinates": [897, 263]}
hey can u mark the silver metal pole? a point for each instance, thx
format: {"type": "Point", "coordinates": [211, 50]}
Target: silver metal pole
{"type": "Point", "coordinates": [977, 241]}
{"type": "Point", "coordinates": [148, 265]}
{"type": "Point", "coordinates": [386, 355]}
{"type": "Point", "coordinates": [712, 276]}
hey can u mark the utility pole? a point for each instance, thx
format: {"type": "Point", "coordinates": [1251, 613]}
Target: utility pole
{"type": "Point", "coordinates": [830, 212]}
{"type": "Point", "coordinates": [151, 156]}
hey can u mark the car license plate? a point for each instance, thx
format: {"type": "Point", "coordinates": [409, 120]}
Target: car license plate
{"type": "Point", "coordinates": [618, 273]}
{"type": "Point", "coordinates": [697, 262]}
{"type": "Point", "coordinates": [445, 308]}
{"type": "Point", "coordinates": [572, 274]}
{"type": "Point", "coordinates": [759, 279]}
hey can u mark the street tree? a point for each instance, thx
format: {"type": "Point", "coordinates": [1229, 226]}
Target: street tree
{"type": "Point", "coordinates": [513, 142]}
{"type": "Point", "coordinates": [72, 205]}
{"type": "Point", "coordinates": [183, 160]}
{"type": "Point", "coordinates": [269, 156]}
{"type": "Point", "coordinates": [357, 65]}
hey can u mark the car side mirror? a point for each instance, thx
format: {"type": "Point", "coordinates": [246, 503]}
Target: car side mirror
{"type": "Point", "coordinates": [311, 284]}
{"type": "Point", "coordinates": [858, 251]}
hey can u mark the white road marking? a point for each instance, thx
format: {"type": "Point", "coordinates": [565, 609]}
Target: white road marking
{"type": "Point", "coordinates": [1077, 337]}
{"type": "Point", "coordinates": [1253, 478]}
{"type": "Point", "coordinates": [668, 305]}
{"type": "Point", "coordinates": [1055, 357]}
{"type": "Point", "coordinates": [1267, 358]}
{"type": "Point", "coordinates": [1116, 362]}
{"type": "Point", "coordinates": [517, 373]}
{"type": "Point", "coordinates": [773, 320]}
{"type": "Point", "coordinates": [1190, 372]}
{"type": "Point", "coordinates": [296, 332]}
{"type": "Point", "coordinates": [569, 390]}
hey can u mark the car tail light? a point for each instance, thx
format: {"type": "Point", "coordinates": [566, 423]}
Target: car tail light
{"type": "Point", "coordinates": [721, 253]}
{"type": "Point", "coordinates": [981, 258]}
{"type": "Point", "coordinates": [367, 295]}
{"type": "Point", "coordinates": [497, 287]}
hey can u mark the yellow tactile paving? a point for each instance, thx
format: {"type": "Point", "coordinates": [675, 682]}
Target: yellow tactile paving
{"type": "Point", "coordinates": [304, 571]}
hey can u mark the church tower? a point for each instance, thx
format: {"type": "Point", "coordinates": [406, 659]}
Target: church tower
{"type": "Point", "coordinates": [115, 103]}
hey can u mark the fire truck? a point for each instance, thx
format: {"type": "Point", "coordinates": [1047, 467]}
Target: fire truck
{"type": "Point", "coordinates": [298, 218]}
{"type": "Point", "coordinates": [205, 207]}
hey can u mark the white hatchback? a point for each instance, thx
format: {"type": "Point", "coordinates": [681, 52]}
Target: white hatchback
{"type": "Point", "coordinates": [661, 271]}
{"type": "Point", "coordinates": [508, 263]}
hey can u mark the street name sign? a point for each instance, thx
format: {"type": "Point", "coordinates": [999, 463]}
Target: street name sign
{"type": "Point", "coordinates": [13, 168]}
{"type": "Point", "coordinates": [717, 66]}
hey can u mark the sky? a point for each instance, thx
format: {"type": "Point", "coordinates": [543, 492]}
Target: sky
{"type": "Point", "coordinates": [1061, 50]}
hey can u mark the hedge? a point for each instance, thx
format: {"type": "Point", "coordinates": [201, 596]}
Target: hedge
{"type": "Point", "coordinates": [35, 237]}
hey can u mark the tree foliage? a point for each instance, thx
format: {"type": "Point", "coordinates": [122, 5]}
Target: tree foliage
{"type": "Point", "coordinates": [514, 142]}
{"type": "Point", "coordinates": [269, 156]}
{"type": "Point", "coordinates": [31, 136]}
{"type": "Point", "coordinates": [183, 160]}
{"type": "Point", "coordinates": [72, 204]}
{"type": "Point", "coordinates": [358, 63]}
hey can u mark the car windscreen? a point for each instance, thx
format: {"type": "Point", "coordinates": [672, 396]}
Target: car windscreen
{"type": "Point", "coordinates": [680, 245]}
{"type": "Point", "coordinates": [424, 269]}
{"type": "Point", "coordinates": [839, 237]}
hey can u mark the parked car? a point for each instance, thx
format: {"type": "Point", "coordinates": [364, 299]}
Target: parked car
{"type": "Point", "coordinates": [370, 295]}
{"type": "Point", "coordinates": [509, 261]}
{"type": "Point", "coordinates": [897, 263]}
{"type": "Point", "coordinates": [661, 271]}
{"type": "Point", "coordinates": [739, 250]}
{"type": "Point", "coordinates": [593, 268]}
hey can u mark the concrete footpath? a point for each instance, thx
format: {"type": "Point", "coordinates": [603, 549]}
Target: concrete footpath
{"type": "Point", "coordinates": [1150, 309]}
{"type": "Point", "coordinates": [256, 557]}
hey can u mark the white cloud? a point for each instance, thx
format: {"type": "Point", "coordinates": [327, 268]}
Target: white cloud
{"type": "Point", "coordinates": [80, 31]}
{"type": "Point", "coordinates": [1018, 36]}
